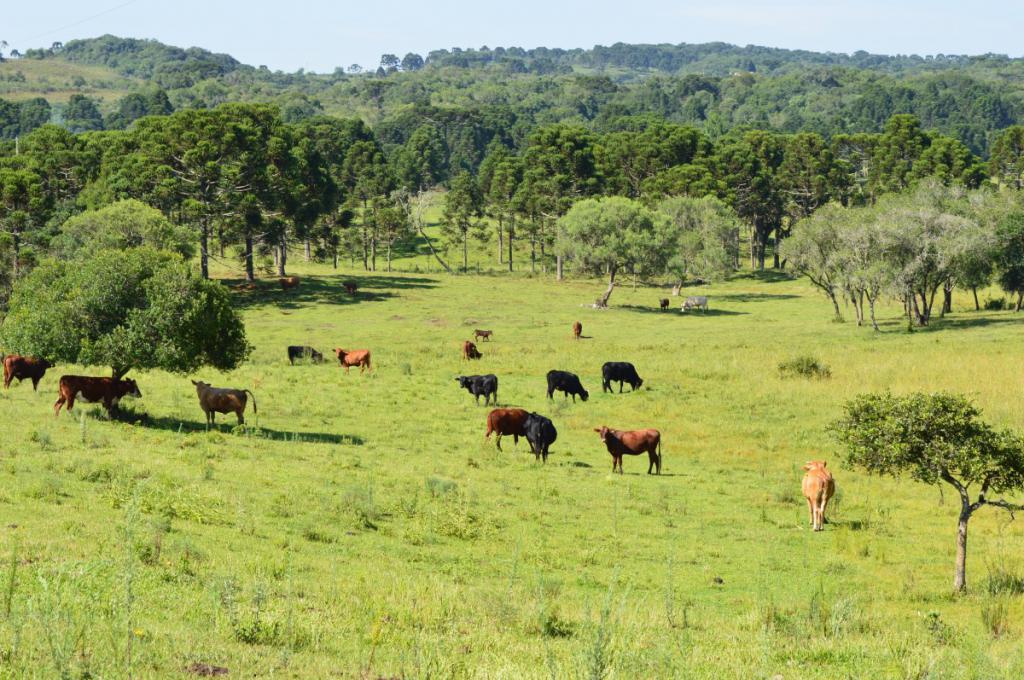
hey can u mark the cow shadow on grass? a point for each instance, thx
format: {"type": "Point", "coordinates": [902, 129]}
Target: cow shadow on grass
{"type": "Point", "coordinates": [328, 290]}
{"type": "Point", "coordinates": [248, 430]}
{"type": "Point", "coordinates": [674, 312]}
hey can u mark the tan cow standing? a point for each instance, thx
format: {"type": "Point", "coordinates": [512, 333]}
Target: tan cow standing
{"type": "Point", "coordinates": [354, 357]}
{"type": "Point", "coordinates": [818, 487]}
{"type": "Point", "coordinates": [214, 400]}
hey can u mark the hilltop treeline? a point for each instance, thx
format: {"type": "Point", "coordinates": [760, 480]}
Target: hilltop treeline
{"type": "Point", "coordinates": [714, 87]}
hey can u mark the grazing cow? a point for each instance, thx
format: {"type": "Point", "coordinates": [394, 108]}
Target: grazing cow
{"type": "Point", "coordinates": [577, 330]}
{"type": "Point", "coordinates": [304, 352]}
{"type": "Point", "coordinates": [214, 400]}
{"type": "Point", "coordinates": [109, 391]}
{"type": "Point", "coordinates": [16, 366]}
{"type": "Point", "coordinates": [568, 383]}
{"type": "Point", "coordinates": [480, 385]}
{"type": "Point", "coordinates": [350, 287]}
{"type": "Point", "coordinates": [482, 335]}
{"type": "Point", "coordinates": [289, 282]}
{"type": "Point", "coordinates": [469, 351]}
{"type": "Point", "coordinates": [354, 357]}
{"type": "Point", "coordinates": [818, 487]}
{"type": "Point", "coordinates": [696, 302]}
{"type": "Point", "coordinates": [541, 434]}
{"type": "Point", "coordinates": [505, 421]}
{"type": "Point", "coordinates": [632, 443]}
{"type": "Point", "coordinates": [663, 303]}
{"type": "Point", "coordinates": [620, 372]}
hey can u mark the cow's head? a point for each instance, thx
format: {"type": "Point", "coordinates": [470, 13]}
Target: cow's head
{"type": "Point", "coordinates": [45, 364]}
{"type": "Point", "coordinates": [200, 386]}
{"type": "Point", "coordinates": [602, 432]}
{"type": "Point", "coordinates": [584, 395]}
{"type": "Point", "coordinates": [462, 380]}
{"type": "Point", "coordinates": [815, 465]}
{"type": "Point", "coordinates": [340, 353]}
{"type": "Point", "coordinates": [131, 388]}
{"type": "Point", "coordinates": [638, 384]}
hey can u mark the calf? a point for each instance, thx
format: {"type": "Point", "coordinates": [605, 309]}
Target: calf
{"type": "Point", "coordinates": [696, 302]}
{"type": "Point", "coordinates": [480, 385]}
{"type": "Point", "coordinates": [350, 287]}
{"type": "Point", "coordinates": [541, 434]}
{"type": "Point", "coordinates": [663, 303]}
{"type": "Point", "coordinates": [355, 357]}
{"type": "Point", "coordinates": [304, 352]}
{"type": "Point", "coordinates": [505, 421]}
{"type": "Point", "coordinates": [577, 330]}
{"type": "Point", "coordinates": [568, 383]}
{"type": "Point", "coordinates": [818, 487]}
{"type": "Point", "coordinates": [16, 366]}
{"type": "Point", "coordinates": [620, 372]}
{"type": "Point", "coordinates": [289, 282]}
{"type": "Point", "coordinates": [109, 391]}
{"type": "Point", "coordinates": [469, 351]}
{"type": "Point", "coordinates": [632, 443]}
{"type": "Point", "coordinates": [482, 335]}
{"type": "Point", "coordinates": [214, 400]}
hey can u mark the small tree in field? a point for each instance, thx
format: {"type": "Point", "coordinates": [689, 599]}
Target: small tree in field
{"type": "Point", "coordinates": [935, 437]}
{"type": "Point", "coordinates": [133, 309]}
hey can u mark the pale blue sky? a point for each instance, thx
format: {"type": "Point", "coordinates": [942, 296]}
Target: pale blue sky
{"type": "Point", "coordinates": [319, 35]}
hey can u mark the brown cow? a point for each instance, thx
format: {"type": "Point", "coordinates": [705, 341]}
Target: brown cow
{"type": "Point", "coordinates": [354, 357]}
{"type": "Point", "coordinates": [507, 421]}
{"type": "Point", "coordinates": [350, 287]}
{"type": "Point", "coordinates": [482, 335]}
{"type": "Point", "coordinates": [818, 487]}
{"type": "Point", "coordinates": [632, 443]}
{"type": "Point", "coordinates": [289, 282]}
{"type": "Point", "coordinates": [109, 391]}
{"type": "Point", "coordinates": [214, 400]}
{"type": "Point", "coordinates": [16, 366]}
{"type": "Point", "coordinates": [577, 330]}
{"type": "Point", "coordinates": [469, 351]}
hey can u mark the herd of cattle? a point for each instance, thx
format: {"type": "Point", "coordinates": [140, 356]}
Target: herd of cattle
{"type": "Point", "coordinates": [539, 431]}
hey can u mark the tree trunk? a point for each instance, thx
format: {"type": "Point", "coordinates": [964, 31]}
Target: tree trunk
{"type": "Point", "coordinates": [282, 261]}
{"type": "Point", "coordinates": [373, 252]}
{"type": "Point", "coordinates": [309, 250]}
{"type": "Point", "coordinates": [250, 272]}
{"type": "Point", "coordinates": [204, 253]}
{"type": "Point", "coordinates": [434, 252]}
{"type": "Point", "coordinates": [1020, 298]}
{"type": "Point", "coordinates": [465, 251]}
{"type": "Point", "coordinates": [501, 240]}
{"type": "Point", "coordinates": [947, 299]}
{"type": "Point", "coordinates": [16, 243]}
{"type": "Point", "coordinates": [775, 248]}
{"type": "Point", "coordinates": [118, 373]}
{"type": "Point", "coordinates": [334, 253]}
{"type": "Point", "coordinates": [543, 258]}
{"type": "Point", "coordinates": [511, 235]}
{"type": "Point", "coordinates": [960, 577]}
{"type": "Point", "coordinates": [974, 290]}
{"type": "Point", "coordinates": [871, 307]}
{"type": "Point", "coordinates": [835, 305]}
{"type": "Point", "coordinates": [533, 256]}
{"type": "Point", "coordinates": [603, 300]}
{"type": "Point", "coordinates": [220, 241]}
{"type": "Point", "coordinates": [678, 286]}
{"type": "Point", "coordinates": [559, 264]}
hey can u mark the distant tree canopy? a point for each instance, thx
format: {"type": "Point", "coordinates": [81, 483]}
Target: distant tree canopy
{"type": "Point", "coordinates": [126, 310]}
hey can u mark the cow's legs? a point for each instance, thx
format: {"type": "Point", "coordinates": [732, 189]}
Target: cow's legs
{"type": "Point", "coordinates": [810, 509]}
{"type": "Point", "coordinates": [241, 418]}
{"type": "Point", "coordinates": [60, 402]}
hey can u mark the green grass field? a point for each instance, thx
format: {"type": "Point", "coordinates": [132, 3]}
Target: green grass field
{"type": "Point", "coordinates": [56, 80]}
{"type": "Point", "coordinates": [360, 527]}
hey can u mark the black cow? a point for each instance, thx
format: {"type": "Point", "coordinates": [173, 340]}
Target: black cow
{"type": "Point", "coordinates": [620, 372]}
{"type": "Point", "coordinates": [566, 382]}
{"type": "Point", "coordinates": [304, 352]}
{"type": "Point", "coordinates": [541, 434]}
{"type": "Point", "coordinates": [480, 385]}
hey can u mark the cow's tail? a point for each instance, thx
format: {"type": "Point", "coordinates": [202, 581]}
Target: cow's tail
{"type": "Point", "coordinates": [660, 459]}
{"type": "Point", "coordinates": [249, 392]}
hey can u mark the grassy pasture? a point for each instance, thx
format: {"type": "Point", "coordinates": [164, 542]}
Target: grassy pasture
{"type": "Point", "coordinates": [361, 528]}
{"type": "Point", "coordinates": [56, 80]}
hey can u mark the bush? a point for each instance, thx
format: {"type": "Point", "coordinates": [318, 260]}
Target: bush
{"type": "Point", "coordinates": [995, 304]}
{"type": "Point", "coordinates": [804, 366]}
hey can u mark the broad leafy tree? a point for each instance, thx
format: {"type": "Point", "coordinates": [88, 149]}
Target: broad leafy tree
{"type": "Point", "coordinates": [132, 309]}
{"type": "Point", "coordinates": [935, 438]}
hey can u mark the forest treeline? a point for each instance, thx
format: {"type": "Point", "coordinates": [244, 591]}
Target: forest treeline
{"type": "Point", "coordinates": [714, 87]}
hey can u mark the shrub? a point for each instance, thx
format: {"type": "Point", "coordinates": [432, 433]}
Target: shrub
{"type": "Point", "coordinates": [804, 366]}
{"type": "Point", "coordinates": [995, 615]}
{"type": "Point", "coordinates": [995, 304]}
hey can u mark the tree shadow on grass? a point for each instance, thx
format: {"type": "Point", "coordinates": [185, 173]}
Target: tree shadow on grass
{"type": "Point", "coordinates": [753, 297]}
{"type": "Point", "coordinates": [676, 313]}
{"type": "Point", "coordinates": [960, 322]}
{"type": "Point", "coordinates": [325, 290]}
{"type": "Point", "coordinates": [247, 430]}
{"type": "Point", "coordinates": [765, 276]}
